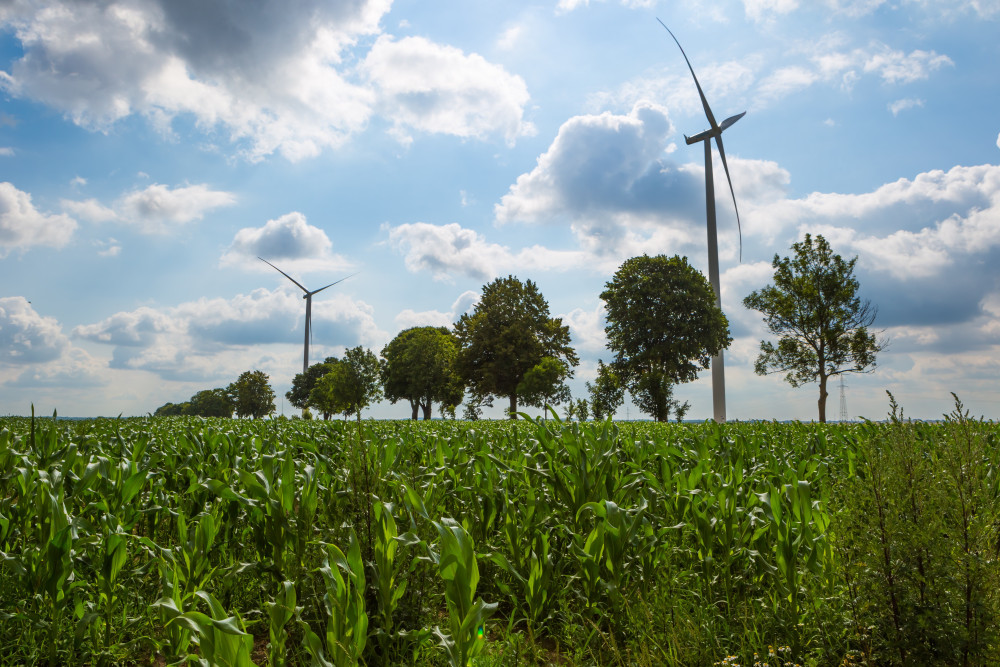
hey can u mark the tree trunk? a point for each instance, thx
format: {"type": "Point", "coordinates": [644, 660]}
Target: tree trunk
{"type": "Point", "coordinates": [822, 398]}
{"type": "Point", "coordinates": [427, 409]}
{"type": "Point", "coordinates": [513, 406]}
{"type": "Point", "coordinates": [415, 405]}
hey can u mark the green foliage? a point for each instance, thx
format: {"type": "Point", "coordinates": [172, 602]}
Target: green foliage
{"type": "Point", "coordinates": [420, 368]}
{"type": "Point", "coordinates": [303, 383]}
{"type": "Point", "coordinates": [252, 395]}
{"type": "Point", "coordinates": [919, 541]}
{"type": "Point", "coordinates": [822, 323]}
{"type": "Point", "coordinates": [607, 393]}
{"type": "Point", "coordinates": [509, 333]}
{"type": "Point", "coordinates": [352, 385]}
{"type": "Point", "coordinates": [166, 540]}
{"type": "Point", "coordinates": [211, 403]}
{"type": "Point", "coordinates": [544, 384]}
{"type": "Point", "coordinates": [663, 325]}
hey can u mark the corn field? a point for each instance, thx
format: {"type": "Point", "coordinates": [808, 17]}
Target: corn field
{"type": "Point", "coordinates": [289, 542]}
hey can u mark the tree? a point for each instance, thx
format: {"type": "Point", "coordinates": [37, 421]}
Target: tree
{"type": "Point", "coordinates": [663, 325]}
{"type": "Point", "coordinates": [352, 385]}
{"type": "Point", "coordinates": [171, 410]}
{"type": "Point", "coordinates": [420, 368]}
{"type": "Point", "coordinates": [607, 393]}
{"type": "Point", "coordinates": [814, 307]}
{"type": "Point", "coordinates": [508, 334]}
{"type": "Point", "coordinates": [544, 384]}
{"type": "Point", "coordinates": [211, 403]}
{"type": "Point", "coordinates": [252, 395]}
{"type": "Point", "coordinates": [303, 383]}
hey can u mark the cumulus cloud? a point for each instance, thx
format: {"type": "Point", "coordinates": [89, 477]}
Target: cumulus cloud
{"type": "Point", "coordinates": [268, 77]}
{"type": "Point", "coordinates": [465, 302]}
{"type": "Point", "coordinates": [290, 240]}
{"type": "Point", "coordinates": [587, 328]}
{"type": "Point", "coordinates": [23, 226]}
{"type": "Point", "coordinates": [446, 250]}
{"type": "Point", "coordinates": [209, 338]}
{"type": "Point", "coordinates": [436, 88]}
{"type": "Point", "coordinates": [27, 337]}
{"type": "Point", "coordinates": [156, 209]}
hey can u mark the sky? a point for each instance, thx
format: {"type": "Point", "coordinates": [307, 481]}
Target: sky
{"type": "Point", "coordinates": [151, 150]}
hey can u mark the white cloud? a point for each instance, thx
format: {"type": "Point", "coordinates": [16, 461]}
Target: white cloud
{"type": "Point", "coordinates": [758, 10]}
{"type": "Point", "coordinates": [445, 250]}
{"type": "Point", "coordinates": [435, 88]}
{"type": "Point", "coordinates": [570, 5]}
{"type": "Point", "coordinates": [23, 226]}
{"type": "Point", "coordinates": [904, 104]}
{"type": "Point", "coordinates": [465, 302]}
{"type": "Point", "coordinates": [6, 151]}
{"type": "Point", "coordinates": [587, 328]}
{"type": "Point", "coordinates": [27, 337]}
{"type": "Point", "coordinates": [509, 38]}
{"type": "Point", "coordinates": [211, 338]}
{"type": "Point", "coordinates": [898, 67]}
{"type": "Point", "coordinates": [288, 240]}
{"type": "Point", "coordinates": [155, 210]}
{"type": "Point", "coordinates": [270, 77]}
{"type": "Point", "coordinates": [109, 248]}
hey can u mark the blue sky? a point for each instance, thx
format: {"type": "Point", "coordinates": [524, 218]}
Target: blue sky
{"type": "Point", "coordinates": [151, 149]}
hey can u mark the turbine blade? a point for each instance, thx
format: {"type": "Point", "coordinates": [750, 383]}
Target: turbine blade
{"type": "Point", "coordinates": [729, 121]}
{"type": "Point", "coordinates": [701, 93]}
{"type": "Point", "coordinates": [332, 284]}
{"type": "Point", "coordinates": [725, 165]}
{"type": "Point", "coordinates": [284, 274]}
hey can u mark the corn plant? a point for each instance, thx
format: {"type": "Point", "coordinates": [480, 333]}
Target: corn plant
{"type": "Point", "coordinates": [458, 567]}
{"type": "Point", "coordinates": [346, 631]}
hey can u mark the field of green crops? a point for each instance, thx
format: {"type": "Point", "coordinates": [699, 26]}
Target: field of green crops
{"type": "Point", "coordinates": [228, 542]}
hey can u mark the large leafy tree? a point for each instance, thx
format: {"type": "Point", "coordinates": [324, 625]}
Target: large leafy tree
{"type": "Point", "coordinates": [420, 368]}
{"type": "Point", "coordinates": [211, 403]}
{"type": "Point", "coordinates": [303, 383]}
{"type": "Point", "coordinates": [252, 395]}
{"type": "Point", "coordinates": [352, 385]}
{"type": "Point", "coordinates": [822, 323]}
{"type": "Point", "coordinates": [508, 333]}
{"type": "Point", "coordinates": [663, 325]}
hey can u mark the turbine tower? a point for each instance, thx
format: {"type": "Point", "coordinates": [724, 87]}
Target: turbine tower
{"type": "Point", "coordinates": [713, 132]}
{"type": "Point", "coordinates": [308, 297]}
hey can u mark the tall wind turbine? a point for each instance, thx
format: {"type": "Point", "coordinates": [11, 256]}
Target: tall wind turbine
{"type": "Point", "coordinates": [308, 297]}
{"type": "Point", "coordinates": [713, 132]}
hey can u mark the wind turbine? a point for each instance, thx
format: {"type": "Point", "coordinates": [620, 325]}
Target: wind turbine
{"type": "Point", "coordinates": [308, 297]}
{"type": "Point", "coordinates": [713, 132]}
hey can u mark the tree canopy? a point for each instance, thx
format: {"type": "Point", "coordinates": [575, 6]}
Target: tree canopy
{"type": "Point", "coordinates": [607, 393]}
{"type": "Point", "coordinates": [303, 383]}
{"type": "Point", "coordinates": [822, 323]}
{"type": "Point", "coordinates": [663, 324]}
{"type": "Point", "coordinates": [420, 368]}
{"type": "Point", "coordinates": [252, 395]}
{"type": "Point", "coordinates": [544, 384]}
{"type": "Point", "coordinates": [508, 333]}
{"type": "Point", "coordinates": [352, 385]}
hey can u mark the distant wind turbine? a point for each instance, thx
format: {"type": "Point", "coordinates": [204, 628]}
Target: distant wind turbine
{"type": "Point", "coordinates": [715, 131]}
{"type": "Point", "coordinates": [308, 297]}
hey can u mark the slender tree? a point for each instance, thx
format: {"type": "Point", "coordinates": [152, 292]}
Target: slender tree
{"type": "Point", "coordinates": [822, 323]}
{"type": "Point", "coordinates": [607, 393]}
{"type": "Point", "coordinates": [509, 333]}
{"type": "Point", "coordinates": [303, 383]}
{"type": "Point", "coordinates": [352, 385]}
{"type": "Point", "coordinates": [663, 325]}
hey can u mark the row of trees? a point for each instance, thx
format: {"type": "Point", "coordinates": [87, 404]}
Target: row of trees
{"type": "Point", "coordinates": [662, 324]}
{"type": "Point", "coordinates": [249, 396]}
